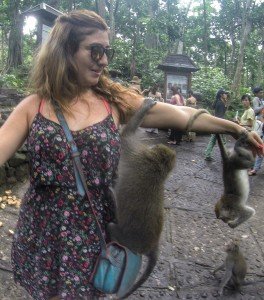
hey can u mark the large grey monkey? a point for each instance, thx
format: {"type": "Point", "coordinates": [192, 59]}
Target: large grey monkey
{"type": "Point", "coordinates": [232, 208]}
{"type": "Point", "coordinates": [139, 193]}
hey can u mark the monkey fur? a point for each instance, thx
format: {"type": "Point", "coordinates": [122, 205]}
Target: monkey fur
{"type": "Point", "coordinates": [139, 193]}
{"type": "Point", "coordinates": [232, 208]}
{"type": "Point", "coordinates": [235, 267]}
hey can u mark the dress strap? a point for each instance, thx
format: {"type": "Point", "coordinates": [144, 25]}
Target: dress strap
{"type": "Point", "coordinates": [41, 104]}
{"type": "Point", "coordinates": [107, 106]}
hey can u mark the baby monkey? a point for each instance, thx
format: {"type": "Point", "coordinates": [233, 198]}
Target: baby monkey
{"type": "Point", "coordinates": [232, 208]}
{"type": "Point", "coordinates": [235, 267]}
{"type": "Point", "coordinates": [139, 193]}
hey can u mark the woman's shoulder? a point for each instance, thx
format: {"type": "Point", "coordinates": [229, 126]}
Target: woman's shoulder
{"type": "Point", "coordinates": [30, 106]}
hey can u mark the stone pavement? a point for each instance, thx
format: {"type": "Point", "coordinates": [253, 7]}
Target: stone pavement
{"type": "Point", "coordinates": [193, 240]}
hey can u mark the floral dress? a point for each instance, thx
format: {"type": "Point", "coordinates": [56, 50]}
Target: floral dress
{"type": "Point", "coordinates": [56, 243]}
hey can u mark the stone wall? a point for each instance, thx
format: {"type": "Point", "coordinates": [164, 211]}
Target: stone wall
{"type": "Point", "coordinates": [16, 168]}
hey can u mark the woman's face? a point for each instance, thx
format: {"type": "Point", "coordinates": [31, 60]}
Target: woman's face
{"type": "Point", "coordinates": [246, 103]}
{"type": "Point", "coordinates": [90, 70]}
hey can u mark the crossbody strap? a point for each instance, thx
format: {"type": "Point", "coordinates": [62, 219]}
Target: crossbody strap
{"type": "Point", "coordinates": [79, 176]}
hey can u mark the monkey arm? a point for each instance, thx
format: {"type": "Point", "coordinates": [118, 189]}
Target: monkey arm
{"type": "Point", "coordinates": [219, 268]}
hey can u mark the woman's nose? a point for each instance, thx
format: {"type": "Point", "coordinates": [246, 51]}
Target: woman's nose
{"type": "Point", "coordinates": [103, 62]}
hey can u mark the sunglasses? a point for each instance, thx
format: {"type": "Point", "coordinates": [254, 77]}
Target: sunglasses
{"type": "Point", "coordinates": [98, 51]}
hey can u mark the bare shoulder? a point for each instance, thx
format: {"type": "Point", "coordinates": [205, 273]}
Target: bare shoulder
{"type": "Point", "coordinates": [29, 107]}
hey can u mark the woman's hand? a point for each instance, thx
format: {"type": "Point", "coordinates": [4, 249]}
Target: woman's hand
{"type": "Point", "coordinates": [256, 142]}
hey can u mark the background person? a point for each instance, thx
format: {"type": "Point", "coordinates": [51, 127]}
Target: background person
{"type": "Point", "coordinates": [257, 103]}
{"type": "Point", "coordinates": [156, 95]}
{"type": "Point", "coordinates": [192, 102]}
{"type": "Point", "coordinates": [220, 106]}
{"type": "Point", "coordinates": [259, 128]}
{"type": "Point", "coordinates": [56, 245]}
{"type": "Point", "coordinates": [247, 119]}
{"type": "Point", "coordinates": [177, 99]}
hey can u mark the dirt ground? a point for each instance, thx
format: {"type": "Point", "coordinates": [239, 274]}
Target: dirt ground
{"type": "Point", "coordinates": [193, 240]}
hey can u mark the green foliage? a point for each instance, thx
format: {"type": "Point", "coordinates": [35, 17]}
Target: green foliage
{"type": "Point", "coordinates": [16, 80]}
{"type": "Point", "coordinates": [208, 81]}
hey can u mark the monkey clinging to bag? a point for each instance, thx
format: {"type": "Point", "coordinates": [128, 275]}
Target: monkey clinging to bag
{"type": "Point", "coordinates": [139, 193]}
{"type": "Point", "coordinates": [232, 208]}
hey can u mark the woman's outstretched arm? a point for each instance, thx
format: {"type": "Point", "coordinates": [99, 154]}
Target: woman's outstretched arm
{"type": "Point", "coordinates": [164, 115]}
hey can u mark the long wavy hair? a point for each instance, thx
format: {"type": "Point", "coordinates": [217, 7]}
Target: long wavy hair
{"type": "Point", "coordinates": [54, 75]}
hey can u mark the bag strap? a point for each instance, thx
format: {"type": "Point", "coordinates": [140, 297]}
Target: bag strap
{"type": "Point", "coordinates": [79, 176]}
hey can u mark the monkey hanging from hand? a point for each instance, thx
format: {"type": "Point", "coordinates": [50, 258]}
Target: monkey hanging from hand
{"type": "Point", "coordinates": [235, 267]}
{"type": "Point", "coordinates": [232, 208]}
{"type": "Point", "coordinates": [139, 193]}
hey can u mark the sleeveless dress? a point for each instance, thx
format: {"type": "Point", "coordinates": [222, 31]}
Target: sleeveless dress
{"type": "Point", "coordinates": [56, 244]}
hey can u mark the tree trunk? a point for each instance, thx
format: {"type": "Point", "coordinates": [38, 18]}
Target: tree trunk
{"type": "Point", "coordinates": [246, 29]}
{"type": "Point", "coordinates": [182, 29]}
{"type": "Point", "coordinates": [100, 4]}
{"type": "Point", "coordinates": [260, 77]}
{"type": "Point", "coordinates": [112, 20]}
{"type": "Point", "coordinates": [205, 33]}
{"type": "Point", "coordinates": [151, 38]}
{"type": "Point", "coordinates": [231, 65]}
{"type": "Point", "coordinates": [14, 58]}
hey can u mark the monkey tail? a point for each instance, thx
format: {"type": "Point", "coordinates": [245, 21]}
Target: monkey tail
{"type": "Point", "coordinates": [138, 117]}
{"type": "Point", "coordinates": [222, 147]}
{"type": "Point", "coordinates": [152, 260]}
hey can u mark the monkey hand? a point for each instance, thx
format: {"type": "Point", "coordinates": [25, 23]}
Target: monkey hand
{"type": "Point", "coordinates": [232, 224]}
{"type": "Point", "coordinates": [220, 292]}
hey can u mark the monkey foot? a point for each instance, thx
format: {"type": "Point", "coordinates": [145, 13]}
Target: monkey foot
{"type": "Point", "coordinates": [252, 173]}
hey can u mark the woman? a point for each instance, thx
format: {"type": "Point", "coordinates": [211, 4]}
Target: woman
{"type": "Point", "coordinates": [55, 245]}
{"type": "Point", "coordinates": [248, 118]}
{"type": "Point", "coordinates": [220, 106]}
{"type": "Point", "coordinates": [175, 136]}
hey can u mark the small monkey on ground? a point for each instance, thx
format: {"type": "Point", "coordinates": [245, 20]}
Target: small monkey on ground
{"type": "Point", "coordinates": [235, 267]}
{"type": "Point", "coordinates": [232, 208]}
{"type": "Point", "coordinates": [139, 193]}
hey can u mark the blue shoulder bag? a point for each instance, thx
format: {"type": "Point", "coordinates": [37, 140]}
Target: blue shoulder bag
{"type": "Point", "coordinates": [117, 267]}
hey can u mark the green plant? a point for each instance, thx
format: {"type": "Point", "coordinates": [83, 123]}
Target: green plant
{"type": "Point", "coordinates": [16, 80]}
{"type": "Point", "coordinates": [208, 81]}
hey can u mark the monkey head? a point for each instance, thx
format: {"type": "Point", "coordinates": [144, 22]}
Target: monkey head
{"type": "Point", "coordinates": [164, 158]}
{"type": "Point", "coordinates": [233, 247]}
{"type": "Point", "coordinates": [224, 210]}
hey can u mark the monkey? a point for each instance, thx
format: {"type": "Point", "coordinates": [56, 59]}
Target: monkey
{"type": "Point", "coordinates": [232, 208]}
{"type": "Point", "coordinates": [139, 194]}
{"type": "Point", "coordinates": [235, 267]}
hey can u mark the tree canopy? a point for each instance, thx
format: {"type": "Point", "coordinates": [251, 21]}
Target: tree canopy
{"type": "Point", "coordinates": [223, 37]}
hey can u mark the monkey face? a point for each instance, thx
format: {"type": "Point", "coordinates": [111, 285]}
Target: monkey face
{"type": "Point", "coordinates": [232, 247]}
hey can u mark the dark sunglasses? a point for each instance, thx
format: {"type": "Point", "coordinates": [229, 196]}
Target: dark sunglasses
{"type": "Point", "coordinates": [98, 51]}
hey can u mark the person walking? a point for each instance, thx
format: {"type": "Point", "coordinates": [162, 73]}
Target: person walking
{"type": "Point", "coordinates": [220, 106]}
{"type": "Point", "coordinates": [177, 99]}
{"type": "Point", "coordinates": [56, 244]}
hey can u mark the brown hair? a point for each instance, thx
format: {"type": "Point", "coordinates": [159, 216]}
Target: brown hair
{"type": "Point", "coordinates": [55, 74]}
